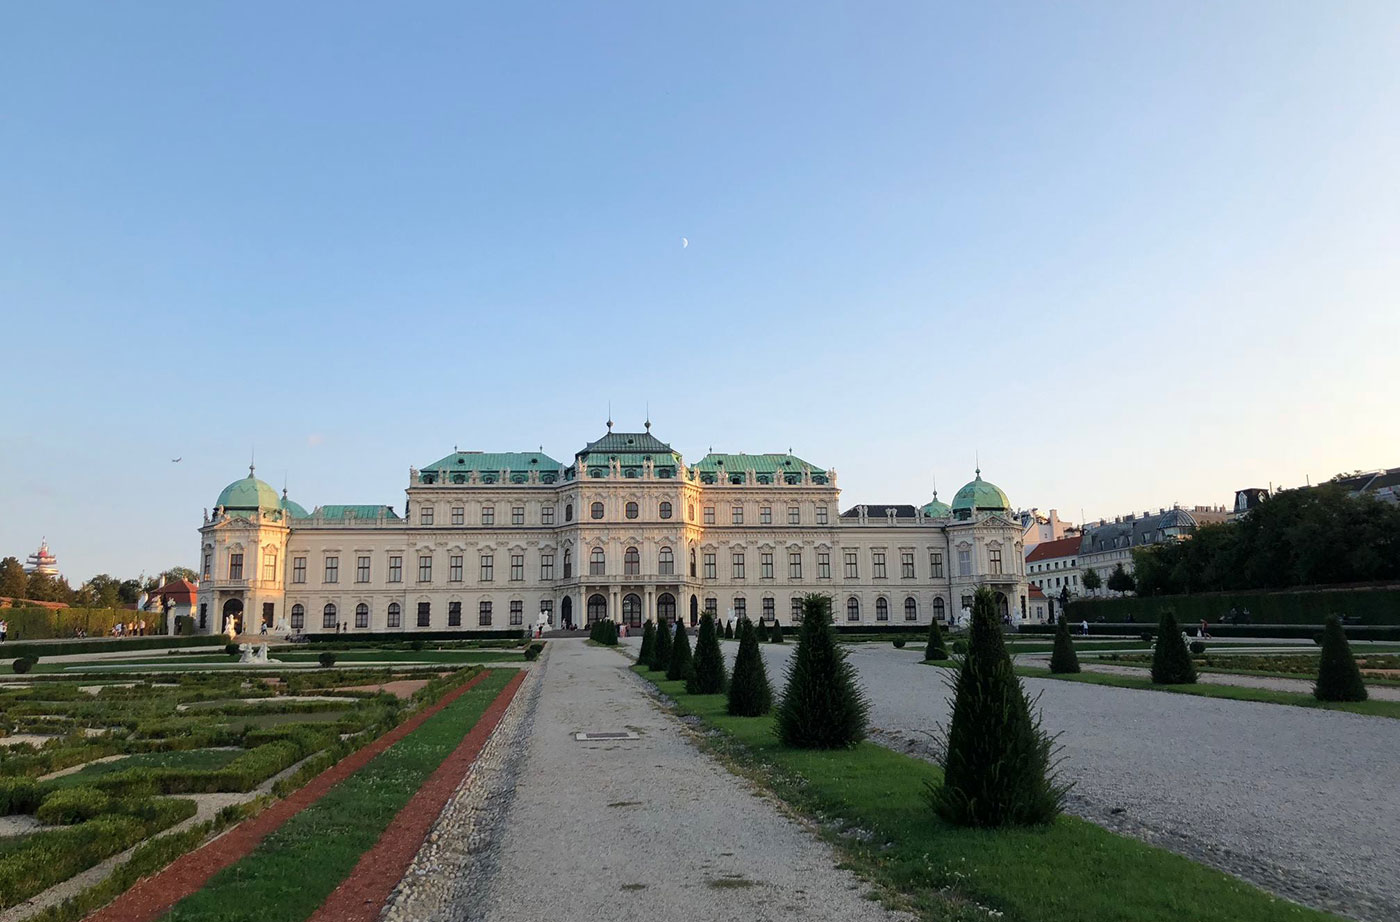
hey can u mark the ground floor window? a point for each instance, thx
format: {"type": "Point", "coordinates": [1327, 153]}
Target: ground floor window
{"type": "Point", "coordinates": [517, 612]}
{"type": "Point", "coordinates": [882, 609]}
{"type": "Point", "coordinates": [938, 609]}
{"type": "Point", "coordinates": [853, 609]}
{"type": "Point", "coordinates": [395, 615]}
{"type": "Point", "coordinates": [298, 617]}
{"type": "Point", "coordinates": [796, 610]}
{"type": "Point", "coordinates": [483, 614]}
{"type": "Point", "coordinates": [425, 614]}
{"type": "Point", "coordinates": [741, 607]}
{"type": "Point", "coordinates": [597, 608]}
{"type": "Point", "coordinates": [362, 615]}
{"type": "Point", "coordinates": [769, 610]}
{"type": "Point", "coordinates": [911, 609]}
{"type": "Point", "coordinates": [666, 608]}
{"type": "Point", "coordinates": [328, 617]}
{"type": "Point", "coordinates": [454, 614]}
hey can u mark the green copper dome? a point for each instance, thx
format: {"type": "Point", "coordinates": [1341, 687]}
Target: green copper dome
{"type": "Point", "coordinates": [293, 509]}
{"type": "Point", "coordinates": [248, 494]}
{"type": "Point", "coordinates": [936, 509]}
{"type": "Point", "coordinates": [979, 496]}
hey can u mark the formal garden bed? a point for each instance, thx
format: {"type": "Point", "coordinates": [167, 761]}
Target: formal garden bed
{"type": "Point", "coordinates": [1377, 667]}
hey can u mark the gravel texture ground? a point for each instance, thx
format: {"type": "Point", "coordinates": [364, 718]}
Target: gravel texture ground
{"type": "Point", "coordinates": [1304, 803]}
{"type": "Point", "coordinates": [646, 829]}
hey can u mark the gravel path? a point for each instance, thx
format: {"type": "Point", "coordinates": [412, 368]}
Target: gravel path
{"type": "Point", "coordinates": [1301, 802]}
{"type": "Point", "coordinates": [647, 829]}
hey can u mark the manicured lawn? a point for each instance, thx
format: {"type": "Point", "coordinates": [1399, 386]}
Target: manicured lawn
{"type": "Point", "coordinates": [295, 868]}
{"type": "Point", "coordinates": [186, 760]}
{"type": "Point", "coordinates": [1069, 871]}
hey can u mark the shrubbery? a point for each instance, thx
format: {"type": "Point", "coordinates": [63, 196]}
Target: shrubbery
{"type": "Point", "coordinates": [679, 665]}
{"type": "Point", "coordinates": [936, 650]}
{"type": "Point", "coordinates": [326, 659]}
{"type": "Point", "coordinates": [1171, 661]}
{"type": "Point", "coordinates": [898, 643]}
{"type": "Point", "coordinates": [19, 795]}
{"type": "Point", "coordinates": [749, 692]}
{"type": "Point", "coordinates": [68, 806]}
{"type": "Point", "coordinates": [648, 641]}
{"type": "Point", "coordinates": [1197, 647]}
{"type": "Point", "coordinates": [604, 631]}
{"type": "Point", "coordinates": [823, 706]}
{"type": "Point", "coordinates": [959, 647]}
{"type": "Point", "coordinates": [661, 649]}
{"type": "Point", "coordinates": [1063, 659]}
{"type": "Point", "coordinates": [777, 634]}
{"type": "Point", "coordinates": [533, 651]}
{"type": "Point", "coordinates": [231, 649]}
{"type": "Point", "coordinates": [706, 676]}
{"type": "Point", "coordinates": [23, 664]}
{"type": "Point", "coordinates": [1338, 679]}
{"type": "Point", "coordinates": [729, 630]}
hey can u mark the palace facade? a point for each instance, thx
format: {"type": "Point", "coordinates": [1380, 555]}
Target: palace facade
{"type": "Point", "coordinates": [626, 530]}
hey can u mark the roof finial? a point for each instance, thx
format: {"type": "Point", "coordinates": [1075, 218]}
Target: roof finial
{"type": "Point", "coordinates": [252, 456]}
{"type": "Point", "coordinates": [978, 469]}
{"type": "Point", "coordinates": [610, 416]}
{"type": "Point", "coordinates": [935, 488]}
{"type": "Point", "coordinates": [647, 424]}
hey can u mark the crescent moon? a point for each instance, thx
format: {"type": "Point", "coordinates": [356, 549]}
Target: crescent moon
{"type": "Point", "coordinates": [685, 242]}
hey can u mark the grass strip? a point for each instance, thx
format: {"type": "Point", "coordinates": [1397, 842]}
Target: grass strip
{"type": "Point", "coordinates": [870, 802]}
{"type": "Point", "coordinates": [291, 872]}
{"type": "Point", "coordinates": [1370, 708]}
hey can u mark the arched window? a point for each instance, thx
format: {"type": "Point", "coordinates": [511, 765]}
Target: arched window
{"type": "Point", "coordinates": [665, 608]}
{"type": "Point", "coordinates": [395, 615]}
{"type": "Point", "coordinates": [597, 608]}
{"type": "Point", "coordinates": [911, 609]}
{"type": "Point", "coordinates": [568, 512]}
{"type": "Point", "coordinates": [665, 562]}
{"type": "Point", "coordinates": [328, 616]}
{"type": "Point", "coordinates": [597, 563]}
{"type": "Point", "coordinates": [568, 564]}
{"type": "Point", "coordinates": [362, 615]}
{"type": "Point", "coordinates": [938, 609]}
{"type": "Point", "coordinates": [298, 617]}
{"type": "Point", "coordinates": [631, 510]}
{"type": "Point", "coordinates": [596, 510]}
{"type": "Point", "coordinates": [665, 510]}
{"type": "Point", "coordinates": [632, 610]}
{"type": "Point", "coordinates": [631, 562]}
{"type": "Point", "coordinates": [692, 561]}
{"type": "Point", "coordinates": [882, 609]}
{"type": "Point", "coordinates": [853, 609]}
{"type": "Point", "coordinates": [690, 513]}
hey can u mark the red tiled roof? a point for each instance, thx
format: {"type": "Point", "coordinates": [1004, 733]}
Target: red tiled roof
{"type": "Point", "coordinates": [1036, 593]}
{"type": "Point", "coordinates": [1048, 550]}
{"type": "Point", "coordinates": [180, 590]}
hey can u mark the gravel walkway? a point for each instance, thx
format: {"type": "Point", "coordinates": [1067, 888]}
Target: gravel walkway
{"type": "Point", "coordinates": [647, 829]}
{"type": "Point", "coordinates": [1304, 803]}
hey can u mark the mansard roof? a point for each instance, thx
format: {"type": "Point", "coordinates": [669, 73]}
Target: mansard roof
{"type": "Point", "coordinates": [878, 511]}
{"type": "Point", "coordinates": [517, 462]}
{"type": "Point", "coordinates": [358, 512]}
{"type": "Point", "coordinates": [638, 443]}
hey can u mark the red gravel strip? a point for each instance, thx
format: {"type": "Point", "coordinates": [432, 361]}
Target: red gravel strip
{"type": "Point", "coordinates": [362, 895]}
{"type": "Point", "coordinates": [154, 896]}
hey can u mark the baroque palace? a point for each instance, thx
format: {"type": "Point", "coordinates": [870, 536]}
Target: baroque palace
{"type": "Point", "coordinates": [626, 531]}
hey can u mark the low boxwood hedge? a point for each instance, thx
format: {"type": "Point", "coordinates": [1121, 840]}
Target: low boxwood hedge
{"type": "Point", "coordinates": [1262, 631]}
{"type": "Point", "coordinates": [69, 806]}
{"type": "Point", "coordinates": [408, 636]}
{"type": "Point", "coordinates": [107, 645]}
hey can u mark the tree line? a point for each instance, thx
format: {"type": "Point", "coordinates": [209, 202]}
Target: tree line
{"type": "Point", "coordinates": [1306, 537]}
{"type": "Point", "coordinates": [101, 591]}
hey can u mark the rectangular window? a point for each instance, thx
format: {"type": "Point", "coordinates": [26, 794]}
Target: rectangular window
{"type": "Point", "coordinates": [328, 618]}
{"type": "Point", "coordinates": [796, 611]}
{"type": "Point", "coordinates": [794, 515]}
{"type": "Point", "coordinates": [547, 515]}
{"type": "Point", "coordinates": [517, 567]}
{"type": "Point", "coordinates": [425, 515]}
{"type": "Point", "coordinates": [852, 565]}
{"type": "Point", "coordinates": [709, 565]}
{"type": "Point", "coordinates": [425, 614]}
{"type": "Point", "coordinates": [547, 609]}
{"type": "Point", "coordinates": [964, 563]}
{"type": "Point", "coordinates": [741, 607]}
{"type": "Point", "coordinates": [994, 559]}
{"type": "Point", "coordinates": [736, 515]}
{"type": "Point", "coordinates": [488, 515]}
{"type": "Point", "coordinates": [298, 570]}
{"type": "Point", "coordinates": [736, 564]}
{"type": "Point", "coordinates": [765, 515]}
{"type": "Point", "coordinates": [794, 564]}
{"type": "Point", "coordinates": [269, 566]}
{"type": "Point", "coordinates": [517, 612]}
{"type": "Point", "coordinates": [425, 568]}
{"type": "Point", "coordinates": [454, 614]}
{"type": "Point", "coordinates": [935, 564]}
{"type": "Point", "coordinates": [770, 612]}
{"type": "Point", "coordinates": [362, 616]}
{"type": "Point", "coordinates": [332, 569]}
{"type": "Point", "coordinates": [821, 515]}
{"type": "Point", "coordinates": [395, 618]}
{"type": "Point", "coordinates": [395, 569]}
{"type": "Point", "coordinates": [209, 566]}
{"type": "Point", "coordinates": [459, 515]}
{"type": "Point", "coordinates": [712, 606]}
{"type": "Point", "coordinates": [546, 565]}
{"type": "Point", "coordinates": [235, 566]}
{"type": "Point", "coordinates": [361, 569]}
{"type": "Point", "coordinates": [709, 515]}
{"type": "Point", "coordinates": [906, 564]}
{"type": "Point", "coordinates": [823, 565]}
{"type": "Point", "coordinates": [454, 568]}
{"type": "Point", "coordinates": [877, 559]}
{"type": "Point", "coordinates": [488, 567]}
{"type": "Point", "coordinates": [517, 515]}
{"type": "Point", "coordinates": [298, 617]}
{"type": "Point", "coordinates": [765, 564]}
{"type": "Point", "coordinates": [483, 615]}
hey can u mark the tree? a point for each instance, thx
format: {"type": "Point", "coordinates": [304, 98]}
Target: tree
{"type": "Point", "coordinates": [679, 665]}
{"type": "Point", "coordinates": [1120, 580]}
{"type": "Point", "coordinates": [1063, 659]}
{"type": "Point", "coordinates": [14, 582]}
{"type": "Point", "coordinates": [1171, 661]}
{"type": "Point", "coordinates": [648, 641]}
{"type": "Point", "coordinates": [44, 588]}
{"type": "Point", "coordinates": [707, 672]}
{"type": "Point", "coordinates": [936, 650]}
{"type": "Point", "coordinates": [102, 591]}
{"type": "Point", "coordinates": [823, 706]}
{"type": "Point", "coordinates": [749, 692]}
{"type": "Point", "coordinates": [178, 573]}
{"type": "Point", "coordinates": [777, 634]}
{"type": "Point", "coordinates": [1092, 580]}
{"type": "Point", "coordinates": [129, 592]}
{"type": "Point", "coordinates": [1338, 679]}
{"type": "Point", "coordinates": [997, 759]}
{"type": "Point", "coordinates": [661, 649]}
{"type": "Point", "coordinates": [729, 630]}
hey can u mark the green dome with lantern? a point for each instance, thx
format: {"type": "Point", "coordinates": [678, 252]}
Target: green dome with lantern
{"type": "Point", "coordinates": [248, 495]}
{"type": "Point", "coordinates": [937, 509]}
{"type": "Point", "coordinates": [979, 496]}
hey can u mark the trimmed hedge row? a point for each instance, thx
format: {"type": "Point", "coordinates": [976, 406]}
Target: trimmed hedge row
{"type": "Point", "coordinates": [515, 633]}
{"type": "Point", "coordinates": [1304, 607]}
{"type": "Point", "coordinates": [1135, 630]}
{"type": "Point", "coordinates": [34, 623]}
{"type": "Point", "coordinates": [104, 645]}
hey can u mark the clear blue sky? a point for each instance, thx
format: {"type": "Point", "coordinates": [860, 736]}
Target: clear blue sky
{"type": "Point", "coordinates": [1131, 253]}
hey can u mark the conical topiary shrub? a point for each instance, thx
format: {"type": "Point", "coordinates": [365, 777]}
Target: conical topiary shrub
{"type": "Point", "coordinates": [777, 634]}
{"type": "Point", "coordinates": [648, 640]}
{"type": "Point", "coordinates": [823, 706]}
{"type": "Point", "coordinates": [936, 650]}
{"type": "Point", "coordinates": [707, 666]}
{"type": "Point", "coordinates": [679, 666]}
{"type": "Point", "coordinates": [1338, 679]}
{"type": "Point", "coordinates": [1171, 661]}
{"type": "Point", "coordinates": [661, 648]}
{"type": "Point", "coordinates": [997, 767]}
{"type": "Point", "coordinates": [749, 692]}
{"type": "Point", "coordinates": [729, 630]}
{"type": "Point", "coordinates": [1063, 659]}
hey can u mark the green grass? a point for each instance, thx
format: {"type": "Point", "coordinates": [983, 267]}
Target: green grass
{"type": "Point", "coordinates": [1068, 871]}
{"type": "Point", "coordinates": [185, 760]}
{"type": "Point", "coordinates": [1232, 692]}
{"type": "Point", "coordinates": [294, 869]}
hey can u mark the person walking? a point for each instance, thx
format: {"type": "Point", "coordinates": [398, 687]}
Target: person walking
{"type": "Point", "coordinates": [4, 630]}
{"type": "Point", "coordinates": [1084, 628]}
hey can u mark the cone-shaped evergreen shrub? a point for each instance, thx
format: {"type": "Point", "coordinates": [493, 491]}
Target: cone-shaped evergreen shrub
{"type": "Point", "coordinates": [1338, 679]}
{"type": "Point", "coordinates": [936, 650]}
{"type": "Point", "coordinates": [679, 666]}
{"type": "Point", "coordinates": [823, 706]}
{"type": "Point", "coordinates": [648, 639]}
{"type": "Point", "coordinates": [1171, 661]}
{"type": "Point", "coordinates": [661, 649]}
{"type": "Point", "coordinates": [777, 634]}
{"type": "Point", "coordinates": [749, 692]}
{"type": "Point", "coordinates": [729, 630]}
{"type": "Point", "coordinates": [997, 759]}
{"type": "Point", "coordinates": [707, 666]}
{"type": "Point", "coordinates": [1063, 658]}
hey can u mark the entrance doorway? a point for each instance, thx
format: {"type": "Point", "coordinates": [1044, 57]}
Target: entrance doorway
{"type": "Point", "coordinates": [694, 609]}
{"type": "Point", "coordinates": [233, 616]}
{"type": "Point", "coordinates": [1003, 608]}
{"type": "Point", "coordinates": [597, 608]}
{"type": "Point", "coordinates": [566, 613]}
{"type": "Point", "coordinates": [665, 608]}
{"type": "Point", "coordinates": [632, 610]}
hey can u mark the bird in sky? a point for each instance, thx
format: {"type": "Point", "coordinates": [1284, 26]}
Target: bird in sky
{"type": "Point", "coordinates": [685, 242]}
{"type": "Point", "coordinates": [176, 460]}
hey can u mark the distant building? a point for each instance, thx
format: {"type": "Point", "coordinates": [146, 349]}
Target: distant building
{"type": "Point", "coordinates": [42, 561]}
{"type": "Point", "coordinates": [1054, 566]}
{"type": "Point", "coordinates": [1106, 544]}
{"type": "Point", "coordinates": [176, 598]}
{"type": "Point", "coordinates": [1037, 528]}
{"type": "Point", "coordinates": [1383, 485]}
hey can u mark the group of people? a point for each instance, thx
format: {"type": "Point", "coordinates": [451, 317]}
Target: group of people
{"type": "Point", "coordinates": [129, 628]}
